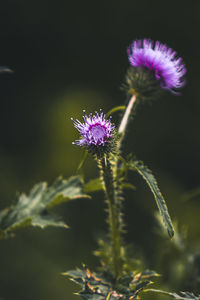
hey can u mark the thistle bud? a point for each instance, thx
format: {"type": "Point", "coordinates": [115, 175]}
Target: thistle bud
{"type": "Point", "coordinates": [97, 134]}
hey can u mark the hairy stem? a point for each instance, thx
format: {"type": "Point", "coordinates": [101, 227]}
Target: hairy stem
{"type": "Point", "coordinates": [113, 214]}
{"type": "Point", "coordinates": [112, 191]}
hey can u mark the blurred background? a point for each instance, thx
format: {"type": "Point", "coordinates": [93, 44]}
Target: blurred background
{"type": "Point", "coordinates": [68, 56]}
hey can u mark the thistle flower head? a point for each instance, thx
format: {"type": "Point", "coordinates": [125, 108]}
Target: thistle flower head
{"type": "Point", "coordinates": [97, 133]}
{"type": "Point", "coordinates": [161, 61]}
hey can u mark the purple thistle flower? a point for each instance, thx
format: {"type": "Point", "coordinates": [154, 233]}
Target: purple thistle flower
{"type": "Point", "coordinates": [167, 68]}
{"type": "Point", "coordinates": [95, 131]}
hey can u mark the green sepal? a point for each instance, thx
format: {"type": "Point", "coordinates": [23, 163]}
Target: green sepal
{"type": "Point", "coordinates": [142, 83]}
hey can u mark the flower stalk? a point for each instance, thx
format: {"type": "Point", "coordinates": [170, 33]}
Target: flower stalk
{"type": "Point", "coordinates": [124, 121]}
{"type": "Point", "coordinates": [113, 214]}
{"type": "Point", "coordinates": [122, 130]}
{"type": "Point", "coordinates": [109, 176]}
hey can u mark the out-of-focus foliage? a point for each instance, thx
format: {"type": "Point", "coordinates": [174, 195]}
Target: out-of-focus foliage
{"type": "Point", "coordinates": [33, 209]}
{"type": "Point", "coordinates": [195, 193]}
{"type": "Point", "coordinates": [183, 269]}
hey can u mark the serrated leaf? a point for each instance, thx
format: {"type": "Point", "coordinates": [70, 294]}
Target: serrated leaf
{"type": "Point", "coordinates": [75, 273]}
{"type": "Point", "coordinates": [180, 235]}
{"type": "Point", "coordinates": [152, 183]}
{"type": "Point", "coordinates": [87, 296]}
{"type": "Point", "coordinates": [139, 288]}
{"type": "Point", "coordinates": [182, 296]}
{"type": "Point", "coordinates": [44, 221]}
{"type": "Point", "coordinates": [78, 276]}
{"type": "Point", "coordinates": [147, 274]}
{"type": "Point", "coordinates": [93, 185]}
{"type": "Point", "coordinates": [93, 287]}
{"type": "Point", "coordinates": [32, 209]}
{"type": "Point", "coordinates": [103, 286]}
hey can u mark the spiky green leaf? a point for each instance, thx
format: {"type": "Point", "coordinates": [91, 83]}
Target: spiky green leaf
{"type": "Point", "coordinates": [152, 183]}
{"type": "Point", "coordinates": [103, 286]}
{"type": "Point", "coordinates": [33, 209]}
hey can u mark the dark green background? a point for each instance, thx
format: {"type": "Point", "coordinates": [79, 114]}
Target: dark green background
{"type": "Point", "coordinates": [68, 56]}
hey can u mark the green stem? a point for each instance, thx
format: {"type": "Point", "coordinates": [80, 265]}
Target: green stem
{"type": "Point", "coordinates": [109, 176]}
{"type": "Point", "coordinates": [113, 214]}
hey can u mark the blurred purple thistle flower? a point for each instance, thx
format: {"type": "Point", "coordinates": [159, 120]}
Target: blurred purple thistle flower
{"type": "Point", "coordinates": [168, 69]}
{"type": "Point", "coordinates": [95, 130]}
